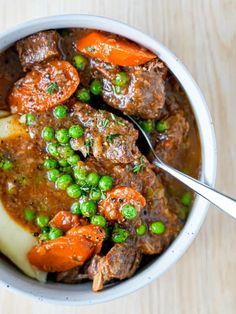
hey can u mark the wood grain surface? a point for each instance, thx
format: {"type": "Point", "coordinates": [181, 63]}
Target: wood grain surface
{"type": "Point", "coordinates": [203, 34]}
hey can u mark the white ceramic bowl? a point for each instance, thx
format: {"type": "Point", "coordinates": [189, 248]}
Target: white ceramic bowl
{"type": "Point", "coordinates": [82, 294]}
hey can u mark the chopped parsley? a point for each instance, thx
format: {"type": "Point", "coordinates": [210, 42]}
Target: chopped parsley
{"type": "Point", "coordinates": [116, 119]}
{"type": "Point", "coordinates": [103, 196]}
{"type": "Point", "coordinates": [90, 48]}
{"type": "Point", "coordinates": [111, 137]}
{"type": "Point", "coordinates": [88, 144]}
{"type": "Point", "coordinates": [52, 87]}
{"type": "Point", "coordinates": [103, 123]}
{"type": "Point", "coordinates": [101, 111]}
{"type": "Point", "coordinates": [85, 188]}
{"type": "Point", "coordinates": [139, 167]}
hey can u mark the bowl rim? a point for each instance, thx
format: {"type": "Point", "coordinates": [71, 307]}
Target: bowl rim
{"type": "Point", "coordinates": [53, 293]}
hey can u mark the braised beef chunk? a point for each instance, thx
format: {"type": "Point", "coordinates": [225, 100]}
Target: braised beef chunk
{"type": "Point", "coordinates": [144, 93]}
{"type": "Point", "coordinates": [168, 143]}
{"type": "Point", "coordinates": [10, 71]}
{"type": "Point", "coordinates": [37, 48]}
{"type": "Point", "coordinates": [120, 262]}
{"type": "Point", "coordinates": [74, 275]}
{"type": "Point", "coordinates": [106, 135]}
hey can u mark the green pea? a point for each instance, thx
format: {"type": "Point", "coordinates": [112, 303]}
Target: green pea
{"type": "Point", "coordinates": [76, 131]}
{"type": "Point", "coordinates": [161, 126]}
{"type": "Point", "coordinates": [105, 183]}
{"type": "Point", "coordinates": [146, 125]}
{"type": "Point", "coordinates": [75, 209]}
{"type": "Point", "coordinates": [140, 231]}
{"type": "Point", "coordinates": [52, 149]}
{"type": "Point", "coordinates": [7, 165]}
{"type": "Point", "coordinates": [95, 195]}
{"type": "Point", "coordinates": [54, 233]}
{"type": "Point", "coordinates": [30, 119]}
{"type": "Point", "coordinates": [47, 134]}
{"type": "Point", "coordinates": [53, 175]}
{"type": "Point", "coordinates": [73, 191]}
{"type": "Point", "coordinates": [83, 95]}
{"type": "Point", "coordinates": [50, 164]}
{"type": "Point", "coordinates": [121, 79]}
{"type": "Point", "coordinates": [63, 162]}
{"type": "Point", "coordinates": [96, 87]}
{"type": "Point", "coordinates": [119, 235]}
{"type": "Point", "coordinates": [79, 62]}
{"type": "Point", "coordinates": [62, 136]}
{"type": "Point", "coordinates": [67, 169]}
{"type": "Point", "coordinates": [98, 220]}
{"type": "Point", "coordinates": [42, 221]}
{"type": "Point", "coordinates": [183, 212]}
{"type": "Point", "coordinates": [93, 179]}
{"type": "Point", "coordinates": [63, 182]}
{"type": "Point", "coordinates": [73, 160]}
{"type": "Point", "coordinates": [129, 212]}
{"type": "Point", "coordinates": [60, 112]}
{"type": "Point", "coordinates": [44, 236]}
{"type": "Point", "coordinates": [80, 175]}
{"type": "Point", "coordinates": [157, 227]}
{"type": "Point", "coordinates": [186, 199]}
{"type": "Point", "coordinates": [88, 209]}
{"type": "Point", "coordinates": [28, 214]}
{"type": "Point", "coordinates": [65, 151]}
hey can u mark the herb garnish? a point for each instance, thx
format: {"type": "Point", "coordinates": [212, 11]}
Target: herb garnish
{"type": "Point", "coordinates": [88, 144]}
{"type": "Point", "coordinates": [116, 119]}
{"type": "Point", "coordinates": [111, 137]}
{"type": "Point", "coordinates": [139, 167]}
{"type": "Point", "coordinates": [52, 87]}
{"type": "Point", "coordinates": [90, 48]}
{"type": "Point", "coordinates": [85, 188]}
{"type": "Point", "coordinates": [103, 123]}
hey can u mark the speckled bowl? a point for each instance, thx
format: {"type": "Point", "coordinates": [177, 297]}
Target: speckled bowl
{"type": "Point", "coordinates": [82, 294]}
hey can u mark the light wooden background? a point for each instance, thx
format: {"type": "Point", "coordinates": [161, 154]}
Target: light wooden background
{"type": "Point", "coordinates": [203, 34]}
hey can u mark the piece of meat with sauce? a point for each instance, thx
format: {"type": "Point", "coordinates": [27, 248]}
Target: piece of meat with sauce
{"type": "Point", "coordinates": [71, 276]}
{"type": "Point", "coordinates": [120, 262]}
{"type": "Point", "coordinates": [149, 184]}
{"type": "Point", "coordinates": [168, 143]}
{"type": "Point", "coordinates": [38, 48]}
{"type": "Point", "coordinates": [144, 93]}
{"type": "Point", "coordinates": [106, 135]}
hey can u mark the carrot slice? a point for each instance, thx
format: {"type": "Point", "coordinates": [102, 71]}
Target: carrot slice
{"type": "Point", "coordinates": [64, 220]}
{"type": "Point", "coordinates": [44, 87]}
{"type": "Point", "coordinates": [112, 49]}
{"type": "Point", "coordinates": [111, 207]}
{"type": "Point", "coordinates": [61, 254]}
{"type": "Point", "coordinates": [94, 233]}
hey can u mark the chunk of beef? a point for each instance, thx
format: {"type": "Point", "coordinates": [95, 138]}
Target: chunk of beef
{"type": "Point", "coordinates": [144, 93]}
{"type": "Point", "coordinates": [10, 71]}
{"type": "Point", "coordinates": [37, 48]}
{"type": "Point", "coordinates": [168, 143]}
{"type": "Point", "coordinates": [106, 135]}
{"type": "Point", "coordinates": [120, 262]}
{"type": "Point", "coordinates": [74, 275]}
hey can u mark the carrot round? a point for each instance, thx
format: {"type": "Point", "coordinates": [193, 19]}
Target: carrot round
{"type": "Point", "coordinates": [111, 207]}
{"type": "Point", "coordinates": [61, 254]}
{"type": "Point", "coordinates": [64, 220]}
{"type": "Point", "coordinates": [44, 87]}
{"type": "Point", "coordinates": [112, 49]}
{"type": "Point", "coordinates": [92, 232]}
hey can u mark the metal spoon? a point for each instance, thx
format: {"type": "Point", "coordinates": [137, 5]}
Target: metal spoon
{"type": "Point", "coordinates": [225, 203]}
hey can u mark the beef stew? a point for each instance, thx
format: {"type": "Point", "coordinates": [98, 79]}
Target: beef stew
{"type": "Point", "coordinates": [76, 177]}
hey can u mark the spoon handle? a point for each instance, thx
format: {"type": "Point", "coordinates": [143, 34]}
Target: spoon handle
{"type": "Point", "coordinates": [225, 203]}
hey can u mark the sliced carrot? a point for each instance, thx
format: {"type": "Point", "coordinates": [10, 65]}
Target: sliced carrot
{"type": "Point", "coordinates": [64, 220]}
{"type": "Point", "coordinates": [113, 49]}
{"type": "Point", "coordinates": [111, 207]}
{"type": "Point", "coordinates": [61, 254]}
{"type": "Point", "coordinates": [44, 87]}
{"type": "Point", "coordinates": [92, 232]}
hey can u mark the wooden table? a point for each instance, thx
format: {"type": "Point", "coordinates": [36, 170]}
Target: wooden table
{"type": "Point", "coordinates": [203, 34]}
